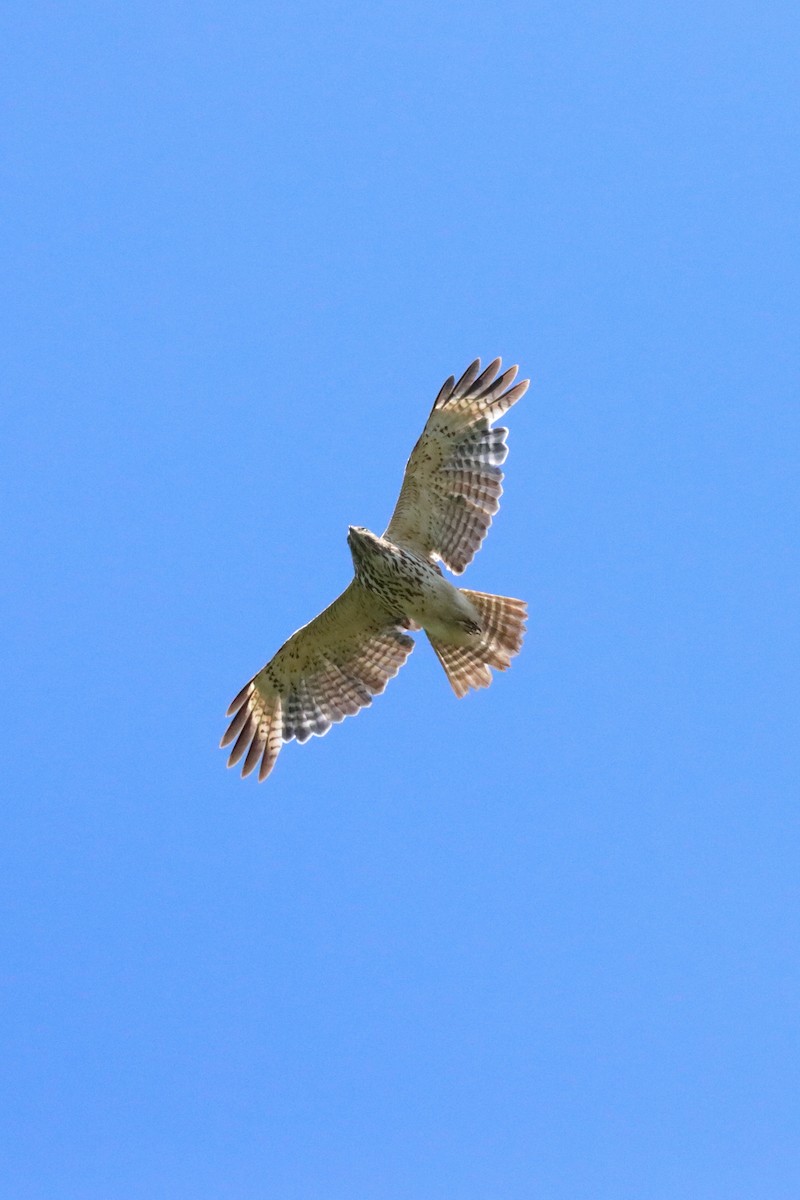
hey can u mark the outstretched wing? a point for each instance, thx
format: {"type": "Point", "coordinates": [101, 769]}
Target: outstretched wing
{"type": "Point", "coordinates": [326, 671]}
{"type": "Point", "coordinates": [452, 483]}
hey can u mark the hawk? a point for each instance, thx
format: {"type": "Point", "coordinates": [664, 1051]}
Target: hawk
{"type": "Point", "coordinates": [333, 666]}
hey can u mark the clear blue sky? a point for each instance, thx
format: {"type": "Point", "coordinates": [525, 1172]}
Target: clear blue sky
{"type": "Point", "coordinates": [540, 943]}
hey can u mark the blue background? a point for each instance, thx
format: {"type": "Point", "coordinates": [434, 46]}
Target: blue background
{"type": "Point", "coordinates": [542, 942]}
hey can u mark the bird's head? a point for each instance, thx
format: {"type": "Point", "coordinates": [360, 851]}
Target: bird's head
{"type": "Point", "coordinates": [362, 543]}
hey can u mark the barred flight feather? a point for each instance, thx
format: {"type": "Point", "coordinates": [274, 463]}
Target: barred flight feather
{"type": "Point", "coordinates": [452, 483]}
{"type": "Point", "coordinates": [502, 631]}
{"type": "Point", "coordinates": [328, 670]}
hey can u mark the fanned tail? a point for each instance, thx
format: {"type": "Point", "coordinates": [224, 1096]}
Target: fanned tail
{"type": "Point", "coordinates": [502, 630]}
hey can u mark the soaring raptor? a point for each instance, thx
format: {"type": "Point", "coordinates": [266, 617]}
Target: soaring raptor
{"type": "Point", "coordinates": [333, 666]}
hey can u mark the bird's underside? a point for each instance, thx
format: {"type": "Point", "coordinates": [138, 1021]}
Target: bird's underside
{"type": "Point", "coordinates": [333, 666]}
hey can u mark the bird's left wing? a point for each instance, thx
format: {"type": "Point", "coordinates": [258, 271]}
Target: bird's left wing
{"type": "Point", "coordinates": [326, 671]}
{"type": "Point", "coordinates": [452, 483]}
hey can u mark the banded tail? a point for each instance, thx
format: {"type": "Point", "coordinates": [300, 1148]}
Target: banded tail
{"type": "Point", "coordinates": [503, 628]}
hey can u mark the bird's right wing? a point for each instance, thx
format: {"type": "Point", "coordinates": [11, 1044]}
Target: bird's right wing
{"type": "Point", "coordinates": [452, 483]}
{"type": "Point", "coordinates": [326, 671]}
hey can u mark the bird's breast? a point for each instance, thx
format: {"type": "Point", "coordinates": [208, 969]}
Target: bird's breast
{"type": "Point", "coordinates": [413, 587]}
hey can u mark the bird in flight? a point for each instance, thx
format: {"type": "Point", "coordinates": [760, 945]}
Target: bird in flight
{"type": "Point", "coordinates": [333, 666]}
